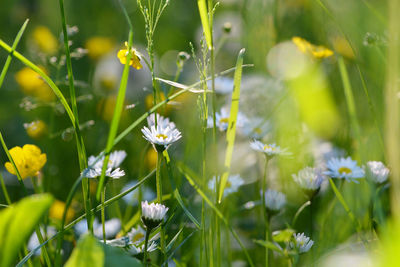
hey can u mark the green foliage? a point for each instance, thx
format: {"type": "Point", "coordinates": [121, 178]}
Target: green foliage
{"type": "Point", "coordinates": [17, 222]}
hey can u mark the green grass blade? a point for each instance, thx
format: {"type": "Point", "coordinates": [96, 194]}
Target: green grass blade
{"type": "Point", "coordinates": [231, 132]}
{"type": "Point", "coordinates": [205, 22]}
{"type": "Point", "coordinates": [119, 106]}
{"type": "Point", "coordinates": [185, 171]}
{"type": "Point", "coordinates": [9, 57]}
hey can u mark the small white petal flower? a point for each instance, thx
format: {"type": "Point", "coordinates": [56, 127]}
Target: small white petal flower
{"type": "Point", "coordinates": [268, 149]}
{"type": "Point", "coordinates": [163, 122]}
{"type": "Point", "coordinates": [232, 185]}
{"type": "Point", "coordinates": [301, 242]}
{"type": "Point", "coordinates": [132, 198]}
{"type": "Point", "coordinates": [223, 85]}
{"type": "Point", "coordinates": [344, 168]}
{"type": "Point", "coordinates": [274, 200]}
{"type": "Point", "coordinates": [134, 250]}
{"type": "Point", "coordinates": [377, 171]}
{"type": "Point", "coordinates": [256, 128]}
{"type": "Point", "coordinates": [222, 120]}
{"type": "Point", "coordinates": [309, 178]}
{"type": "Point", "coordinates": [161, 137]}
{"type": "Point", "coordinates": [112, 171]}
{"type": "Point", "coordinates": [153, 214]}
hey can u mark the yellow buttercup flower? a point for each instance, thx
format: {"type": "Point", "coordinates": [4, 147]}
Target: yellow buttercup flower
{"type": "Point", "coordinates": [135, 60]}
{"type": "Point", "coordinates": [57, 210]}
{"type": "Point", "coordinates": [307, 48]}
{"type": "Point", "coordinates": [99, 46]}
{"type": "Point", "coordinates": [45, 40]}
{"type": "Point", "coordinates": [29, 160]}
{"type": "Point", "coordinates": [32, 84]}
{"type": "Point", "coordinates": [36, 129]}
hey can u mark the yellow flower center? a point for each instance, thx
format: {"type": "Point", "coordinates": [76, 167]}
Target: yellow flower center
{"type": "Point", "coordinates": [224, 120]}
{"type": "Point", "coordinates": [163, 136]}
{"type": "Point", "coordinates": [137, 237]}
{"type": "Point", "coordinates": [257, 130]}
{"type": "Point", "coordinates": [344, 170]}
{"type": "Point", "coordinates": [269, 147]}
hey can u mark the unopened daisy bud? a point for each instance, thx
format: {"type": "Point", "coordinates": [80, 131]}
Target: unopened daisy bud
{"type": "Point", "coordinates": [377, 171]}
{"type": "Point", "coordinates": [183, 56]}
{"type": "Point", "coordinates": [153, 214]}
{"type": "Point", "coordinates": [227, 27]}
{"type": "Point", "coordinates": [274, 201]}
{"type": "Point", "coordinates": [301, 243]}
{"type": "Point", "coordinates": [309, 179]}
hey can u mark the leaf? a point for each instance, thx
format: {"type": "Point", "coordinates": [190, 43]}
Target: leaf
{"type": "Point", "coordinates": [17, 223]}
{"type": "Point", "coordinates": [204, 21]}
{"type": "Point", "coordinates": [269, 244]}
{"type": "Point", "coordinates": [88, 253]}
{"type": "Point", "coordinates": [117, 257]}
{"type": "Point", "coordinates": [231, 132]}
{"type": "Point", "coordinates": [283, 235]}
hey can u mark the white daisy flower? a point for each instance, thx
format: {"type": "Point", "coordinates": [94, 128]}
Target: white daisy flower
{"type": "Point", "coordinates": [274, 200]}
{"type": "Point", "coordinates": [223, 85]}
{"type": "Point", "coordinates": [153, 214]}
{"type": "Point", "coordinates": [112, 226]}
{"type": "Point", "coordinates": [222, 120]}
{"type": "Point", "coordinates": [232, 185]}
{"type": "Point", "coordinates": [137, 249]}
{"type": "Point", "coordinates": [309, 178]}
{"type": "Point", "coordinates": [268, 149]}
{"type": "Point", "coordinates": [163, 122]}
{"type": "Point", "coordinates": [132, 198]}
{"type": "Point", "coordinates": [256, 128]}
{"type": "Point", "coordinates": [162, 136]}
{"type": "Point", "coordinates": [134, 236]}
{"type": "Point", "coordinates": [302, 243]}
{"type": "Point", "coordinates": [377, 171]}
{"type": "Point", "coordinates": [112, 171]}
{"type": "Point", "coordinates": [344, 168]}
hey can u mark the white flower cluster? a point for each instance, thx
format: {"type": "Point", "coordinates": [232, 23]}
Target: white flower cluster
{"type": "Point", "coordinates": [153, 211]}
{"type": "Point", "coordinates": [301, 242]}
{"type": "Point", "coordinates": [268, 149]}
{"type": "Point", "coordinates": [274, 200]}
{"type": "Point", "coordinates": [344, 168]}
{"type": "Point", "coordinates": [309, 178]}
{"type": "Point", "coordinates": [112, 171]}
{"type": "Point", "coordinates": [222, 120]}
{"type": "Point", "coordinates": [377, 171]}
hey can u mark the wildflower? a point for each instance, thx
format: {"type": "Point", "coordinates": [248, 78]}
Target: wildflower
{"type": "Point", "coordinates": [57, 211]}
{"type": "Point", "coordinates": [222, 120]}
{"type": "Point", "coordinates": [135, 57]}
{"type": "Point", "coordinates": [98, 46]}
{"type": "Point", "coordinates": [153, 214]}
{"type": "Point", "coordinates": [223, 85]}
{"type": "Point", "coordinates": [344, 168]}
{"type": "Point", "coordinates": [307, 48]}
{"type": "Point", "coordinates": [274, 200]}
{"type": "Point", "coordinates": [112, 171]}
{"type": "Point", "coordinates": [45, 40]}
{"type": "Point", "coordinates": [32, 84]}
{"type": "Point", "coordinates": [309, 178]}
{"type": "Point", "coordinates": [343, 47]}
{"type": "Point", "coordinates": [256, 128]}
{"type": "Point", "coordinates": [232, 185]}
{"type": "Point", "coordinates": [29, 160]}
{"type": "Point", "coordinates": [161, 136]}
{"type": "Point", "coordinates": [36, 129]}
{"type": "Point", "coordinates": [112, 227]}
{"type": "Point", "coordinates": [138, 249]}
{"type": "Point", "coordinates": [132, 198]}
{"type": "Point", "coordinates": [163, 122]}
{"type": "Point", "coordinates": [377, 171]}
{"type": "Point", "coordinates": [301, 242]}
{"type": "Point", "coordinates": [269, 150]}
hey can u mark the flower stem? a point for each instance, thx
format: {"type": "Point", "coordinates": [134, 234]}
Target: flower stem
{"type": "Point", "coordinates": [103, 217]}
{"type": "Point", "coordinates": [159, 200]}
{"type": "Point", "coordinates": [4, 188]}
{"type": "Point", "coordinates": [146, 242]}
{"type": "Point", "coordinates": [264, 209]}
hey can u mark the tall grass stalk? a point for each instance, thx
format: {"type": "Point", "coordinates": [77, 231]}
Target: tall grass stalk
{"type": "Point", "coordinates": [392, 117]}
{"type": "Point", "coordinates": [159, 200]}
{"type": "Point", "coordinates": [264, 210]}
